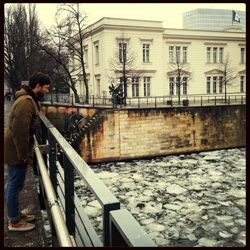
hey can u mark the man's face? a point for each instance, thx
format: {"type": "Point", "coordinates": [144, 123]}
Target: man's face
{"type": "Point", "coordinates": [41, 90]}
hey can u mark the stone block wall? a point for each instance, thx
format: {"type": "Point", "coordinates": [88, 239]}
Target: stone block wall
{"type": "Point", "coordinates": [140, 133]}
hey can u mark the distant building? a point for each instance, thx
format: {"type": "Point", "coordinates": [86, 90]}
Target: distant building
{"type": "Point", "coordinates": [214, 19]}
{"type": "Point", "coordinates": [200, 52]}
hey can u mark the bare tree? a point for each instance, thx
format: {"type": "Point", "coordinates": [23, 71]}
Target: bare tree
{"type": "Point", "coordinates": [15, 45]}
{"type": "Point", "coordinates": [229, 74]}
{"type": "Point", "coordinates": [73, 26]}
{"type": "Point", "coordinates": [123, 68]}
{"type": "Point", "coordinates": [54, 44]}
{"type": "Point", "coordinates": [21, 55]}
{"type": "Point", "coordinates": [180, 73]}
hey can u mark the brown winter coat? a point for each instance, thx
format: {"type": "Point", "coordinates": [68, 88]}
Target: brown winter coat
{"type": "Point", "coordinates": [18, 137]}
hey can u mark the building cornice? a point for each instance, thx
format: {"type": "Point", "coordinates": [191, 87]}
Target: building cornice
{"type": "Point", "coordinates": [214, 72]}
{"type": "Point", "coordinates": [214, 43]}
{"type": "Point", "coordinates": [197, 37]}
{"type": "Point", "coordinates": [177, 42]}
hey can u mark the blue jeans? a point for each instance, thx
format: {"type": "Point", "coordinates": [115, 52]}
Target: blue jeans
{"type": "Point", "coordinates": [15, 183]}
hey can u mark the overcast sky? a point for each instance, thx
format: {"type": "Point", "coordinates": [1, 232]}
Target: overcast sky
{"type": "Point", "coordinates": [170, 14]}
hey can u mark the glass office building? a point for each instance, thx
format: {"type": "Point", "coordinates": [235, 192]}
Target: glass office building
{"type": "Point", "coordinates": [213, 19]}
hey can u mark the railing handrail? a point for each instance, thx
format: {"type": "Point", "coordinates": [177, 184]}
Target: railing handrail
{"type": "Point", "coordinates": [57, 217]}
{"type": "Point", "coordinates": [72, 160]}
{"type": "Point", "coordinates": [156, 101]}
{"type": "Point", "coordinates": [102, 193]}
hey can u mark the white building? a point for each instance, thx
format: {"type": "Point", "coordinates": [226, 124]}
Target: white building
{"type": "Point", "coordinates": [201, 54]}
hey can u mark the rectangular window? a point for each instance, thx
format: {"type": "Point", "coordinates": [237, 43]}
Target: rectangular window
{"type": "Point", "coordinates": [214, 55]}
{"type": "Point", "coordinates": [221, 55]}
{"type": "Point", "coordinates": [97, 53]}
{"type": "Point", "coordinates": [178, 54]}
{"type": "Point", "coordinates": [146, 86]}
{"type": "Point", "coordinates": [242, 80]}
{"type": "Point", "coordinates": [184, 82]}
{"type": "Point", "coordinates": [135, 86]}
{"type": "Point", "coordinates": [145, 52]}
{"type": "Point", "coordinates": [171, 85]}
{"type": "Point", "coordinates": [178, 85]}
{"type": "Point", "coordinates": [220, 84]}
{"type": "Point", "coordinates": [242, 55]}
{"type": "Point", "coordinates": [208, 84]}
{"type": "Point", "coordinates": [171, 54]}
{"type": "Point", "coordinates": [122, 84]}
{"type": "Point", "coordinates": [122, 52]}
{"type": "Point", "coordinates": [214, 84]}
{"type": "Point", "coordinates": [184, 54]}
{"type": "Point", "coordinates": [98, 87]}
{"type": "Point", "coordinates": [208, 55]}
{"type": "Point", "coordinates": [86, 55]}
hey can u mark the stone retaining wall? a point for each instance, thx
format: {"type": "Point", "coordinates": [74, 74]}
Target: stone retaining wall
{"type": "Point", "coordinates": [140, 133]}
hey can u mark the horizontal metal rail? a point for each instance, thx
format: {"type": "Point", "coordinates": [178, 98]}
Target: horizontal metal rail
{"type": "Point", "coordinates": [62, 160]}
{"type": "Point", "coordinates": [59, 223]}
{"type": "Point", "coordinates": [124, 227]}
{"type": "Point", "coordinates": [152, 101]}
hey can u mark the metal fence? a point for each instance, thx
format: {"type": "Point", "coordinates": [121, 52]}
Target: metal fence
{"type": "Point", "coordinates": [152, 102]}
{"type": "Point", "coordinates": [56, 165]}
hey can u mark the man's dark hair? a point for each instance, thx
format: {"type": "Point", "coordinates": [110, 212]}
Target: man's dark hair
{"type": "Point", "coordinates": [39, 78]}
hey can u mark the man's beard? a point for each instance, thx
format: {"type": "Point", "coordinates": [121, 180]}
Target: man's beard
{"type": "Point", "coordinates": [40, 97]}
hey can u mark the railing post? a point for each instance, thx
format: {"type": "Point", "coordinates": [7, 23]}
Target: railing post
{"type": "Point", "coordinates": [69, 195]}
{"type": "Point", "coordinates": [228, 99]}
{"type": "Point", "coordinates": [242, 99]}
{"type": "Point", "coordinates": [201, 100]}
{"type": "Point", "coordinates": [72, 100]}
{"type": "Point", "coordinates": [215, 100]}
{"type": "Point", "coordinates": [106, 219]}
{"type": "Point", "coordinates": [52, 161]}
{"type": "Point", "coordinates": [93, 101]}
{"type": "Point", "coordinates": [138, 102]}
{"type": "Point", "coordinates": [155, 102]}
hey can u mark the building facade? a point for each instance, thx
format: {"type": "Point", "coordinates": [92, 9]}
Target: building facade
{"type": "Point", "coordinates": [156, 56]}
{"type": "Point", "coordinates": [214, 19]}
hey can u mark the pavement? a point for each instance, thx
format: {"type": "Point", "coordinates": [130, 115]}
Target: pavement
{"type": "Point", "coordinates": [28, 200]}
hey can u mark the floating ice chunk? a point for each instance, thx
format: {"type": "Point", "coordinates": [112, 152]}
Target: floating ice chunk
{"type": "Point", "coordinates": [241, 202]}
{"type": "Point", "coordinates": [172, 207]}
{"type": "Point", "coordinates": [176, 189]}
{"type": "Point", "coordinates": [92, 211]}
{"type": "Point", "coordinates": [242, 238]}
{"type": "Point", "coordinates": [207, 242]}
{"type": "Point", "coordinates": [153, 209]}
{"type": "Point", "coordinates": [148, 192]}
{"type": "Point", "coordinates": [238, 193]}
{"type": "Point", "coordinates": [214, 172]}
{"type": "Point", "coordinates": [161, 241]}
{"type": "Point", "coordinates": [107, 175]}
{"type": "Point", "coordinates": [147, 221]}
{"type": "Point", "coordinates": [94, 203]}
{"type": "Point", "coordinates": [224, 218]}
{"type": "Point", "coordinates": [225, 234]}
{"type": "Point", "coordinates": [156, 227]}
{"type": "Point", "coordinates": [191, 237]}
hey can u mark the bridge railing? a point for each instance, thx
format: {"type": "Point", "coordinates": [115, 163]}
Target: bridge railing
{"type": "Point", "coordinates": [154, 101]}
{"type": "Point", "coordinates": [62, 162]}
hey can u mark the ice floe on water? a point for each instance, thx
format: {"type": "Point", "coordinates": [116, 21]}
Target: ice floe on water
{"type": "Point", "coordinates": [187, 200]}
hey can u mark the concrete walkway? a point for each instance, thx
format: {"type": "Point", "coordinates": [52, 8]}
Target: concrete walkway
{"type": "Point", "coordinates": [28, 200]}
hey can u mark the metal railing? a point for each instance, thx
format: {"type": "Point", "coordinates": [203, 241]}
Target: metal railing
{"type": "Point", "coordinates": [61, 162]}
{"type": "Point", "coordinates": [153, 101]}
